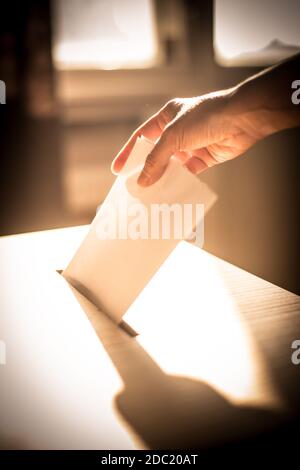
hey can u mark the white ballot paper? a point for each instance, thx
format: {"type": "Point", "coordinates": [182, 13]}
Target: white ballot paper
{"type": "Point", "coordinates": [135, 230]}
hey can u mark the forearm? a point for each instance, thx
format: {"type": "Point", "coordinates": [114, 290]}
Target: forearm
{"type": "Point", "coordinates": [269, 94]}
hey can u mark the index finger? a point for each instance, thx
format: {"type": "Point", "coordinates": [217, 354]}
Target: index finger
{"type": "Point", "coordinates": [150, 129]}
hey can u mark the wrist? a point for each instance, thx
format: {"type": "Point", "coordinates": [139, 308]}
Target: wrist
{"type": "Point", "coordinates": [269, 107]}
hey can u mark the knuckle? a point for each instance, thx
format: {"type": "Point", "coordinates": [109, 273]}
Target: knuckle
{"type": "Point", "coordinates": [150, 161]}
{"type": "Point", "coordinates": [172, 136]}
{"type": "Point", "coordinates": [170, 110]}
{"type": "Point", "coordinates": [171, 105]}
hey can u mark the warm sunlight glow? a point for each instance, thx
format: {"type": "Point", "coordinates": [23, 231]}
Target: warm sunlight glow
{"type": "Point", "coordinates": [255, 32]}
{"type": "Point", "coordinates": [104, 34]}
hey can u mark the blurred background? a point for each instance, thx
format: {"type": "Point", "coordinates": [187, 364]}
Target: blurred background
{"type": "Point", "coordinates": [81, 75]}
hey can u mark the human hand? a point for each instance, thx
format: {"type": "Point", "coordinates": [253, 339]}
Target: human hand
{"type": "Point", "coordinates": [201, 132]}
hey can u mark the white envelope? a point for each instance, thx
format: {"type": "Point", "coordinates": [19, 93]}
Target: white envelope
{"type": "Point", "coordinates": [111, 268]}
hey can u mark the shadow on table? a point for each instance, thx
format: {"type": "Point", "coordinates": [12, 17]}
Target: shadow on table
{"type": "Point", "coordinates": [165, 411]}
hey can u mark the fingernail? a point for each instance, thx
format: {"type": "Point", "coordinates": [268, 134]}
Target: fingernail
{"type": "Point", "coordinates": [144, 179]}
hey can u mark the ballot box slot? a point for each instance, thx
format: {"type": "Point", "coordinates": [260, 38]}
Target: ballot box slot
{"type": "Point", "coordinates": [83, 291]}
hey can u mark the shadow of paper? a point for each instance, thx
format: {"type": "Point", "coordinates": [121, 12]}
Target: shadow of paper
{"type": "Point", "coordinates": [165, 411]}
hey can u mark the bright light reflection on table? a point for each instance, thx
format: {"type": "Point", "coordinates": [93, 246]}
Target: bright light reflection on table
{"type": "Point", "coordinates": [189, 324]}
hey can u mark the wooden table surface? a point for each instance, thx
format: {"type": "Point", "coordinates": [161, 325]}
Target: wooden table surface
{"type": "Point", "coordinates": [211, 360]}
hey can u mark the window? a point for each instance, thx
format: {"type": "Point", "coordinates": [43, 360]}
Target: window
{"type": "Point", "coordinates": [255, 32]}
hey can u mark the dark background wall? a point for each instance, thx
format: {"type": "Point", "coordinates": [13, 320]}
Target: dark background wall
{"type": "Point", "coordinates": [254, 224]}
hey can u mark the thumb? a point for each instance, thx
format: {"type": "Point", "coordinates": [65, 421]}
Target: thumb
{"type": "Point", "coordinates": [157, 161]}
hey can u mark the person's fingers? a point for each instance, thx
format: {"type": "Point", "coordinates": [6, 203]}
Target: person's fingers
{"type": "Point", "coordinates": [157, 161]}
{"type": "Point", "coordinates": [200, 161]}
{"type": "Point", "coordinates": [151, 129]}
{"type": "Point", "coordinates": [119, 161]}
{"type": "Point", "coordinates": [182, 156]}
{"type": "Point", "coordinates": [196, 165]}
